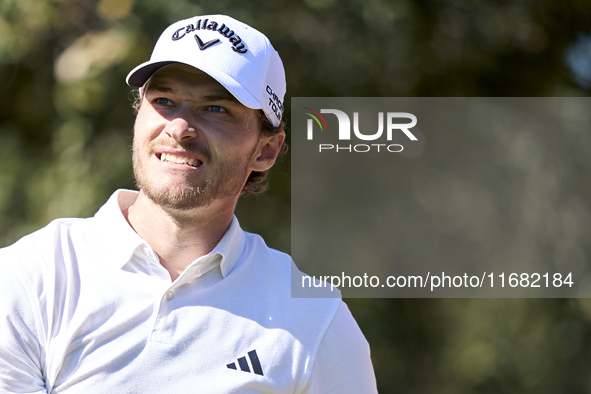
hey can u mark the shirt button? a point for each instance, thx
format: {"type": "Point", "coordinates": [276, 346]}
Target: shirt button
{"type": "Point", "coordinates": [170, 295]}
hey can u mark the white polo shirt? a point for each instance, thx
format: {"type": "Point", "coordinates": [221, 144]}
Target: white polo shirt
{"type": "Point", "coordinates": [86, 307]}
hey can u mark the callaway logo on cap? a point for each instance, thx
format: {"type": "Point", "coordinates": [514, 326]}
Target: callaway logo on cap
{"type": "Point", "coordinates": [239, 57]}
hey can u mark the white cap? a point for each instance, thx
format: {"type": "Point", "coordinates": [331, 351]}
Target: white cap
{"type": "Point", "coordinates": [239, 57]}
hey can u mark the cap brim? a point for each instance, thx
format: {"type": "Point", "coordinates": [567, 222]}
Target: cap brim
{"type": "Point", "coordinates": [140, 75]}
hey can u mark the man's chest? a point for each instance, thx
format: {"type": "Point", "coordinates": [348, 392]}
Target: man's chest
{"type": "Point", "coordinates": [160, 338]}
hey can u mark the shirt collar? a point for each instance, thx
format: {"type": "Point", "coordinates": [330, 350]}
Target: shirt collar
{"type": "Point", "coordinates": [230, 247]}
{"type": "Point", "coordinates": [121, 241]}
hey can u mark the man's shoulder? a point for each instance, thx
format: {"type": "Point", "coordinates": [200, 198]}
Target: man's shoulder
{"type": "Point", "coordinates": [270, 267]}
{"type": "Point", "coordinates": [320, 324]}
{"type": "Point", "coordinates": [256, 244]}
{"type": "Point", "coordinates": [45, 236]}
{"type": "Point", "coordinates": [36, 250]}
{"type": "Point", "coordinates": [272, 275]}
{"type": "Point", "coordinates": [56, 228]}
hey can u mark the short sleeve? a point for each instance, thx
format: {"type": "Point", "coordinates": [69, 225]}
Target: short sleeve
{"type": "Point", "coordinates": [21, 352]}
{"type": "Point", "coordinates": [342, 364]}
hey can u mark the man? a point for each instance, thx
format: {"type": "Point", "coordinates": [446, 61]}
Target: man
{"type": "Point", "coordinates": [161, 291]}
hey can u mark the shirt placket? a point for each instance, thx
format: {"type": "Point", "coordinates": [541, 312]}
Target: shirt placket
{"type": "Point", "coordinates": [174, 295]}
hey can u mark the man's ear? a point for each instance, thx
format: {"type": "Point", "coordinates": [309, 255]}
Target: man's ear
{"type": "Point", "coordinates": [267, 152]}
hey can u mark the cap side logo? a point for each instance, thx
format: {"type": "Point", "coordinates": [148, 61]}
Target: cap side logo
{"type": "Point", "coordinates": [202, 45]}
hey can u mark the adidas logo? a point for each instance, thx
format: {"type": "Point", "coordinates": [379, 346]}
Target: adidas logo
{"type": "Point", "coordinates": [244, 366]}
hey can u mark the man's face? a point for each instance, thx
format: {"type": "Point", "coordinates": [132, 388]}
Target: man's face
{"type": "Point", "coordinates": [194, 143]}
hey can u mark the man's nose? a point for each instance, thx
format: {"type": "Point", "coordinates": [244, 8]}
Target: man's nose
{"type": "Point", "coordinates": [181, 127]}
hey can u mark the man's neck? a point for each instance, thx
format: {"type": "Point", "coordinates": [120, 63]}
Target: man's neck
{"type": "Point", "coordinates": [179, 238]}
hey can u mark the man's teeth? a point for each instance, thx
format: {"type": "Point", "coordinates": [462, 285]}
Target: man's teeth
{"type": "Point", "coordinates": [178, 159]}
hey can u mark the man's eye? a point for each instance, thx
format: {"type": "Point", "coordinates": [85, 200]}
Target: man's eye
{"type": "Point", "coordinates": [163, 101]}
{"type": "Point", "coordinates": [216, 108]}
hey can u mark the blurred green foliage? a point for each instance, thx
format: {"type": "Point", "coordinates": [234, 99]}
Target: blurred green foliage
{"type": "Point", "coordinates": [66, 125]}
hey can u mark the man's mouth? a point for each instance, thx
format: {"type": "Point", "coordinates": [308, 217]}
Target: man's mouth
{"type": "Point", "coordinates": [190, 161]}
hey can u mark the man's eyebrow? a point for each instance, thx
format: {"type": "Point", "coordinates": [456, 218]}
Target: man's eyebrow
{"type": "Point", "coordinates": [219, 97]}
{"type": "Point", "coordinates": [159, 88]}
{"type": "Point", "coordinates": [209, 97]}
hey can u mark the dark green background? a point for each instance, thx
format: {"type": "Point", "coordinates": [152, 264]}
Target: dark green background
{"type": "Point", "coordinates": [65, 137]}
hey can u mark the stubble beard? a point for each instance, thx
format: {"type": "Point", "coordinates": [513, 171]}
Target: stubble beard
{"type": "Point", "coordinates": [226, 179]}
